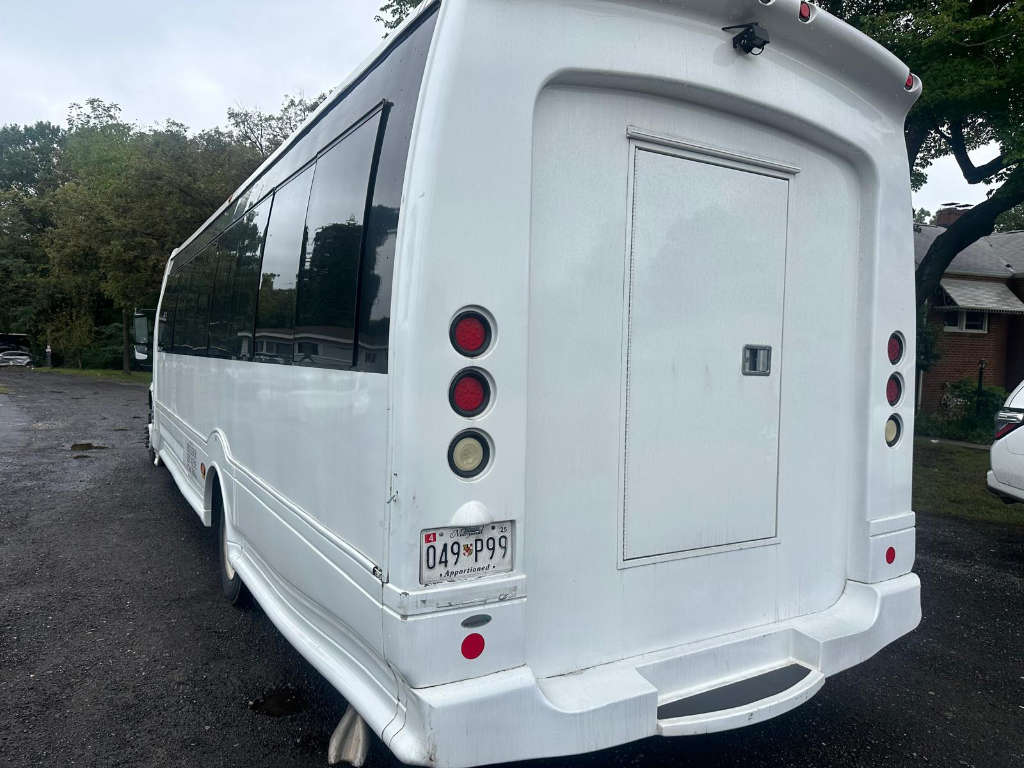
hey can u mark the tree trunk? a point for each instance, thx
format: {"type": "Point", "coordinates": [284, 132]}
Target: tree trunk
{"type": "Point", "coordinates": [126, 360]}
{"type": "Point", "coordinates": [978, 222]}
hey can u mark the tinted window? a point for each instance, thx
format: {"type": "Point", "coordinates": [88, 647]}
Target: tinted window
{"type": "Point", "coordinates": [165, 332]}
{"type": "Point", "coordinates": [233, 307]}
{"type": "Point", "coordinates": [328, 279]}
{"type": "Point", "coordinates": [192, 312]}
{"type": "Point", "coordinates": [395, 78]}
{"type": "Point", "coordinates": [286, 236]}
{"type": "Point", "coordinates": [183, 310]}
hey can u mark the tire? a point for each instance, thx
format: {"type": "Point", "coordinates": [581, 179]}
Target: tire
{"type": "Point", "coordinates": [231, 585]}
{"type": "Point", "coordinates": [149, 434]}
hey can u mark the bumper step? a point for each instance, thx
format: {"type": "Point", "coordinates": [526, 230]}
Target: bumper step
{"type": "Point", "coordinates": [742, 702]}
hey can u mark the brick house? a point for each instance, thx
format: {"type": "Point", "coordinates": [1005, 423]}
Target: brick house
{"type": "Point", "coordinates": [978, 313]}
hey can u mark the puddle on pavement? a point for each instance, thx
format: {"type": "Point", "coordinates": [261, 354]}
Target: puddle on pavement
{"type": "Point", "coordinates": [87, 447]}
{"type": "Point", "coordinates": [279, 703]}
{"type": "Point", "coordinates": [81, 456]}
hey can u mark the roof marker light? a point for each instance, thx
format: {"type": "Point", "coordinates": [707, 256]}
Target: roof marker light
{"type": "Point", "coordinates": [805, 11]}
{"type": "Point", "coordinates": [909, 85]}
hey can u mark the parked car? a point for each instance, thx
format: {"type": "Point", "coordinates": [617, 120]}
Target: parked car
{"type": "Point", "coordinates": [1006, 478]}
{"type": "Point", "coordinates": [15, 358]}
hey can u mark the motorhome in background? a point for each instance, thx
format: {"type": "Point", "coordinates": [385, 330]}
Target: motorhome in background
{"type": "Point", "coordinates": [551, 388]}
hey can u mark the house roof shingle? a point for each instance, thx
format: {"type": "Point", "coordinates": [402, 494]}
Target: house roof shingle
{"type": "Point", "coordinates": [999, 255]}
{"type": "Point", "coordinates": [1009, 249]}
{"type": "Point", "coordinates": [983, 295]}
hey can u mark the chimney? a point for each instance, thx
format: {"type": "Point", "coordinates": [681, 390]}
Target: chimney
{"type": "Point", "coordinates": [950, 212]}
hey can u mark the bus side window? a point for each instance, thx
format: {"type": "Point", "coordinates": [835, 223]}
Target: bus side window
{"type": "Point", "coordinates": [165, 328]}
{"type": "Point", "coordinates": [233, 307]}
{"type": "Point", "coordinates": [285, 241]}
{"type": "Point", "coordinates": [184, 311]}
{"type": "Point", "coordinates": [328, 280]}
{"type": "Point", "coordinates": [201, 270]}
{"type": "Point", "coordinates": [223, 257]}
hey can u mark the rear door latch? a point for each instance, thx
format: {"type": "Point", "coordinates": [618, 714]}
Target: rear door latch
{"type": "Point", "coordinates": [757, 360]}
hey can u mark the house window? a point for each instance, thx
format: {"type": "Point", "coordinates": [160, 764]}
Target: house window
{"type": "Point", "coordinates": [975, 321]}
{"type": "Point", "coordinates": [963, 321]}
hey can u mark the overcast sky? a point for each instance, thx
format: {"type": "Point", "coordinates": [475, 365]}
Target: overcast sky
{"type": "Point", "coordinates": [192, 59]}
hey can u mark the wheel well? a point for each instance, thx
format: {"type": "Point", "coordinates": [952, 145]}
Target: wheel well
{"type": "Point", "coordinates": [214, 494]}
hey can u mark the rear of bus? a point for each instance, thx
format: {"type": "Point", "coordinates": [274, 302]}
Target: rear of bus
{"type": "Point", "coordinates": [653, 322]}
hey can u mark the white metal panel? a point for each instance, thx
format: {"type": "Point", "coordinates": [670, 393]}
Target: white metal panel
{"type": "Point", "coordinates": [574, 459]}
{"type": "Point", "coordinates": [706, 277]}
{"type": "Point", "coordinates": [311, 443]}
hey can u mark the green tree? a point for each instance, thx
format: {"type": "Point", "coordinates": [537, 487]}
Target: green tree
{"type": "Point", "coordinates": [393, 12]}
{"type": "Point", "coordinates": [968, 54]}
{"type": "Point", "coordinates": [29, 156]}
{"type": "Point", "coordinates": [265, 132]}
{"type": "Point", "coordinates": [1012, 220]}
{"type": "Point", "coordinates": [133, 196]}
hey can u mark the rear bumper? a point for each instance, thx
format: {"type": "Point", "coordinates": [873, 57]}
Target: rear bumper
{"type": "Point", "coordinates": [512, 715]}
{"type": "Point", "coordinates": [1003, 490]}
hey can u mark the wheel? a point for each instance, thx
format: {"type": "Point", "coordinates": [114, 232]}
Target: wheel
{"type": "Point", "coordinates": [230, 582]}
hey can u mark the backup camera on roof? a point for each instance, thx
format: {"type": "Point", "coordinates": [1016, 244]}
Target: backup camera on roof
{"type": "Point", "coordinates": [751, 39]}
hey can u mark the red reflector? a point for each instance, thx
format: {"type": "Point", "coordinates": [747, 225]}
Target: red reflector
{"type": "Point", "coordinates": [473, 646]}
{"type": "Point", "coordinates": [890, 555]}
{"type": "Point", "coordinates": [471, 334]}
{"type": "Point", "coordinates": [469, 394]}
{"type": "Point", "coordinates": [805, 11]}
{"type": "Point", "coordinates": [893, 390]}
{"type": "Point", "coordinates": [1007, 429]}
{"type": "Point", "coordinates": [895, 348]}
{"type": "Point", "coordinates": [910, 82]}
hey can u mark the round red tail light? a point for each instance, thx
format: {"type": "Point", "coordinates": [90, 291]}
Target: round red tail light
{"type": "Point", "coordinates": [805, 11]}
{"type": "Point", "coordinates": [909, 85]}
{"type": "Point", "coordinates": [890, 555]}
{"type": "Point", "coordinates": [896, 348]}
{"type": "Point", "coordinates": [894, 389]}
{"type": "Point", "coordinates": [470, 333]}
{"type": "Point", "coordinates": [469, 393]}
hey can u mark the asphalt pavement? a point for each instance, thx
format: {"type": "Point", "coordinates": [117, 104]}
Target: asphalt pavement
{"type": "Point", "coordinates": [116, 648]}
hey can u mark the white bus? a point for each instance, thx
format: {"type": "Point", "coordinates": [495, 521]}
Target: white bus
{"type": "Point", "coordinates": [550, 388]}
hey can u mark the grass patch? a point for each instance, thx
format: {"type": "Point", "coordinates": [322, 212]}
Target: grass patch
{"type": "Point", "coordinates": [950, 480]}
{"type": "Point", "coordinates": [4, 390]}
{"type": "Point", "coordinates": [136, 377]}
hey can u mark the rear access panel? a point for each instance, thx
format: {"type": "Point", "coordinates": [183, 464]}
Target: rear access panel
{"type": "Point", "coordinates": [702, 352]}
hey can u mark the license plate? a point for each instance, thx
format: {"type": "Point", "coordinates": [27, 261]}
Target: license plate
{"type": "Point", "coordinates": [457, 554]}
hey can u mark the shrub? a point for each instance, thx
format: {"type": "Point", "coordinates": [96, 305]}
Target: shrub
{"type": "Point", "coordinates": [964, 414]}
{"type": "Point", "coordinates": [105, 350]}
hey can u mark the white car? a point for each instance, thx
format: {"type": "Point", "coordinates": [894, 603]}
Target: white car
{"type": "Point", "coordinates": [13, 358]}
{"type": "Point", "coordinates": [1006, 478]}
